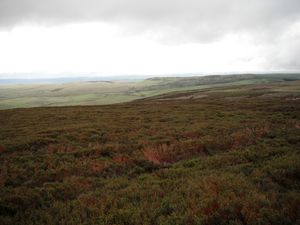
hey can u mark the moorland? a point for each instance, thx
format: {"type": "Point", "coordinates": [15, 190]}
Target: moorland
{"type": "Point", "coordinates": [223, 153]}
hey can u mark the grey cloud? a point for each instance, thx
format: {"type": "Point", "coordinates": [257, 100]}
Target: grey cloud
{"type": "Point", "coordinates": [188, 20]}
{"type": "Point", "coordinates": [285, 54]}
{"type": "Point", "coordinates": [175, 21]}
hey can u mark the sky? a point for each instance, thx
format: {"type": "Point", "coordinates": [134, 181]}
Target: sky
{"type": "Point", "coordinates": [42, 38]}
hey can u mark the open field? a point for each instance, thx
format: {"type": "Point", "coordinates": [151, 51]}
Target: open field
{"type": "Point", "coordinates": [110, 92]}
{"type": "Point", "coordinates": [216, 155]}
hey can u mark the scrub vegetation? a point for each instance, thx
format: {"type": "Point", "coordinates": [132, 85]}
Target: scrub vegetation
{"type": "Point", "coordinates": [231, 156]}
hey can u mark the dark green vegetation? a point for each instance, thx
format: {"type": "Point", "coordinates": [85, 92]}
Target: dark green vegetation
{"type": "Point", "coordinates": [108, 92]}
{"type": "Point", "coordinates": [223, 155]}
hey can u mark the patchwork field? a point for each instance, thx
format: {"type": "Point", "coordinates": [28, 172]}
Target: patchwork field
{"type": "Point", "coordinates": [110, 92]}
{"type": "Point", "coordinates": [216, 155]}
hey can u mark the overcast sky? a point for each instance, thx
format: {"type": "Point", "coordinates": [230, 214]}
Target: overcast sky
{"type": "Point", "coordinates": [113, 37]}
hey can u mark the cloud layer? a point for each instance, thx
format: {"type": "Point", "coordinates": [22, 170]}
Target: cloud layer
{"type": "Point", "coordinates": [189, 20]}
{"type": "Point", "coordinates": [272, 26]}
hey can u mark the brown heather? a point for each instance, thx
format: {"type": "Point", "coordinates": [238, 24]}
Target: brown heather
{"type": "Point", "coordinates": [225, 159]}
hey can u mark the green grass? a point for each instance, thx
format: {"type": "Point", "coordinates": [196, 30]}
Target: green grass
{"type": "Point", "coordinates": [102, 93]}
{"type": "Point", "coordinates": [222, 159]}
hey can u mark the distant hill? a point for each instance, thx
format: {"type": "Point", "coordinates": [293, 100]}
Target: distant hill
{"type": "Point", "coordinates": [23, 93]}
{"type": "Point", "coordinates": [68, 80]}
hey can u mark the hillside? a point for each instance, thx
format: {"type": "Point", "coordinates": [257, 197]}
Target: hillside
{"type": "Point", "coordinates": [220, 154]}
{"type": "Point", "coordinates": [96, 92]}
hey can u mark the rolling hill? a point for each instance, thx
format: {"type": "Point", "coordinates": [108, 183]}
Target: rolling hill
{"type": "Point", "coordinates": [99, 92]}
